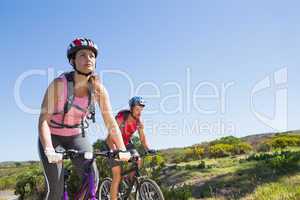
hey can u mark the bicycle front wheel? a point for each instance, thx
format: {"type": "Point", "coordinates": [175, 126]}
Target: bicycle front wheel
{"type": "Point", "coordinates": [104, 189]}
{"type": "Point", "coordinates": [149, 190]}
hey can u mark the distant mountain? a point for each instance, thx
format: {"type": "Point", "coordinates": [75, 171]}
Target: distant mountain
{"type": "Point", "coordinates": [17, 163]}
{"type": "Point", "coordinates": [256, 139]}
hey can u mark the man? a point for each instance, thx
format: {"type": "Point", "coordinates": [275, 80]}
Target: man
{"type": "Point", "coordinates": [129, 122]}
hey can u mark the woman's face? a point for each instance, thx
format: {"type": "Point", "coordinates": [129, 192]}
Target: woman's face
{"type": "Point", "coordinates": [137, 111]}
{"type": "Point", "coordinates": [85, 60]}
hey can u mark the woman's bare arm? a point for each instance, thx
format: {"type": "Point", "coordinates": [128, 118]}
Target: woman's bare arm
{"type": "Point", "coordinates": [47, 108]}
{"type": "Point", "coordinates": [114, 132]}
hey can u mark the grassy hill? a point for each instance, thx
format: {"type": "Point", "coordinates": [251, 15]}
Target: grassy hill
{"type": "Point", "coordinates": [227, 168]}
{"type": "Point", "coordinates": [254, 140]}
{"type": "Point", "coordinates": [9, 171]}
{"type": "Point", "coordinates": [270, 174]}
{"type": "Point", "coordinates": [257, 139]}
{"type": "Point", "coordinates": [237, 178]}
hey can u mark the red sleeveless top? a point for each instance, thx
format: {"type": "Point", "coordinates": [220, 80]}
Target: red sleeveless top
{"type": "Point", "coordinates": [127, 128]}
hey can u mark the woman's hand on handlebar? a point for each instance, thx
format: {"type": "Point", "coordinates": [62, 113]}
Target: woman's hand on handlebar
{"type": "Point", "coordinates": [52, 156]}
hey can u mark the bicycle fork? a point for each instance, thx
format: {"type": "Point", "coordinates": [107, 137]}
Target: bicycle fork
{"type": "Point", "coordinates": [92, 186]}
{"type": "Point", "coordinates": [66, 177]}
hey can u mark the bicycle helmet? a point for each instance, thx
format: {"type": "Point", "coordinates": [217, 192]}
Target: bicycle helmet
{"type": "Point", "coordinates": [81, 43]}
{"type": "Point", "coordinates": [136, 100]}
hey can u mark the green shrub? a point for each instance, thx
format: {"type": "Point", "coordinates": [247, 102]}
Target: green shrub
{"type": "Point", "coordinates": [178, 158]}
{"type": "Point", "coordinates": [179, 193]}
{"type": "Point", "coordinates": [7, 183]}
{"type": "Point", "coordinates": [193, 153]}
{"type": "Point", "coordinates": [201, 165]}
{"type": "Point", "coordinates": [227, 146]}
{"type": "Point", "coordinates": [220, 150]}
{"type": "Point", "coordinates": [242, 148]}
{"type": "Point", "coordinates": [30, 184]}
{"type": "Point", "coordinates": [264, 147]}
{"type": "Point", "coordinates": [280, 141]}
{"type": "Point", "coordinates": [152, 166]}
{"type": "Point", "coordinates": [189, 167]}
{"type": "Point", "coordinates": [226, 140]}
{"type": "Point", "coordinates": [277, 191]}
{"type": "Point", "coordinates": [278, 160]}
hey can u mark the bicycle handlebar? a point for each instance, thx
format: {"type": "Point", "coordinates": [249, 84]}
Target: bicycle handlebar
{"type": "Point", "coordinates": [72, 153]}
{"type": "Point", "coordinates": [107, 154]}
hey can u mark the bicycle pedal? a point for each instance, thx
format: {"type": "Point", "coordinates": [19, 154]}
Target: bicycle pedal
{"type": "Point", "coordinates": [133, 189]}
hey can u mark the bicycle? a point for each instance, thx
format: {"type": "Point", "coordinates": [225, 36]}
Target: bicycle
{"type": "Point", "coordinates": [146, 188]}
{"type": "Point", "coordinates": [87, 189]}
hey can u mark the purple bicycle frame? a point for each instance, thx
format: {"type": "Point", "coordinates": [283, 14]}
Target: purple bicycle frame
{"type": "Point", "coordinates": [86, 193]}
{"type": "Point", "coordinates": [66, 195]}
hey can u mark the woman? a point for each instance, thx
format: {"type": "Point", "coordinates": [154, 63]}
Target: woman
{"type": "Point", "coordinates": [68, 102]}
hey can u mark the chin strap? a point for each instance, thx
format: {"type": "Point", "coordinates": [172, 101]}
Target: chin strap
{"type": "Point", "coordinates": [81, 73]}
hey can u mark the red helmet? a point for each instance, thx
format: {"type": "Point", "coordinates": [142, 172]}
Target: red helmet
{"type": "Point", "coordinates": [81, 43]}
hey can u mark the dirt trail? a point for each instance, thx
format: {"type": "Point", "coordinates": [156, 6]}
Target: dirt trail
{"type": "Point", "coordinates": [8, 195]}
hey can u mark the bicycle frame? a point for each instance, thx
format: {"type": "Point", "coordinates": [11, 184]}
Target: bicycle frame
{"type": "Point", "coordinates": [135, 178]}
{"type": "Point", "coordinates": [125, 187]}
{"type": "Point", "coordinates": [130, 186]}
{"type": "Point", "coordinates": [87, 189]}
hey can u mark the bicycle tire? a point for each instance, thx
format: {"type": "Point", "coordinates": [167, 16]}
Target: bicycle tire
{"type": "Point", "coordinates": [104, 189]}
{"type": "Point", "coordinates": [149, 190]}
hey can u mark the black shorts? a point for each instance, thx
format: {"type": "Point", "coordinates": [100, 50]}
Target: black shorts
{"type": "Point", "coordinates": [130, 147]}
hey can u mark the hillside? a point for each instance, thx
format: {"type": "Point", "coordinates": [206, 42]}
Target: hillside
{"type": "Point", "coordinates": [256, 139]}
{"type": "Point", "coordinates": [226, 168]}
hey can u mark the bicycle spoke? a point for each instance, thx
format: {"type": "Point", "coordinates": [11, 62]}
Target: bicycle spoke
{"type": "Point", "coordinates": [149, 191]}
{"type": "Point", "coordinates": [105, 190]}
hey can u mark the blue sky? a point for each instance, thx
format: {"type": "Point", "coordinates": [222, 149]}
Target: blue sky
{"type": "Point", "coordinates": [178, 54]}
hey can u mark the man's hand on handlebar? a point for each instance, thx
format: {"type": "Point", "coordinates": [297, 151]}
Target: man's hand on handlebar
{"type": "Point", "coordinates": [124, 155]}
{"type": "Point", "coordinates": [151, 151]}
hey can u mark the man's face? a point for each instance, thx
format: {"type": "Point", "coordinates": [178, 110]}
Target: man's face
{"type": "Point", "coordinates": [137, 111]}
